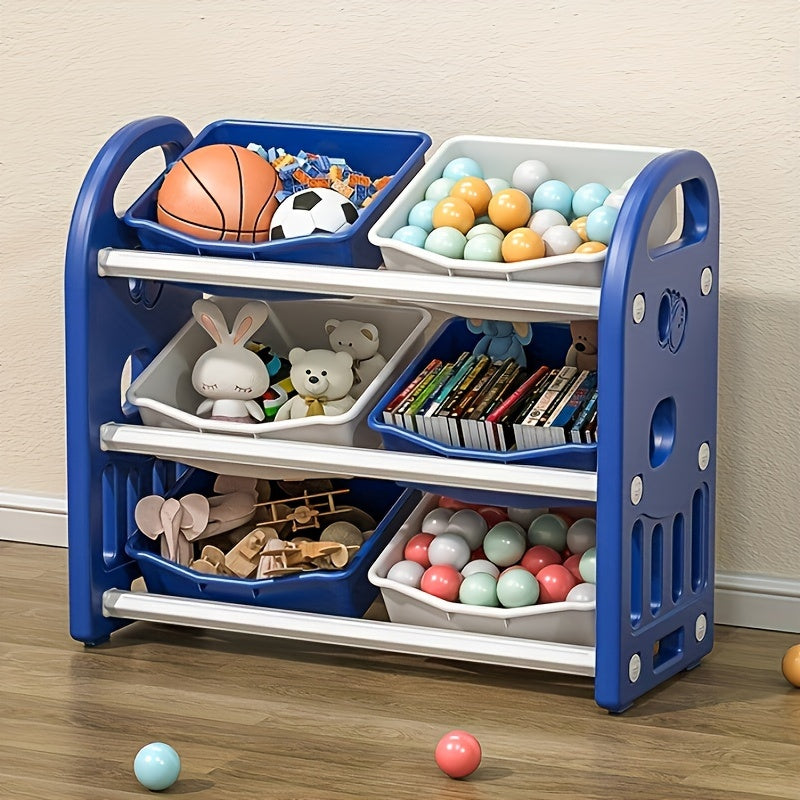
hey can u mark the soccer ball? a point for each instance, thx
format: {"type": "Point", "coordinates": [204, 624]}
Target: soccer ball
{"type": "Point", "coordinates": [312, 211]}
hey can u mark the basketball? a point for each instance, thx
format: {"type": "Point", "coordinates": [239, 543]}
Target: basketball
{"type": "Point", "coordinates": [221, 192]}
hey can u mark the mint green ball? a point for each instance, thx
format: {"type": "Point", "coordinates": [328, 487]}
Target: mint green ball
{"type": "Point", "coordinates": [504, 544]}
{"type": "Point", "coordinates": [482, 228]}
{"type": "Point", "coordinates": [485, 247]}
{"type": "Point", "coordinates": [550, 530]}
{"type": "Point", "coordinates": [587, 566]}
{"type": "Point", "coordinates": [439, 189]}
{"type": "Point", "coordinates": [516, 588]}
{"type": "Point", "coordinates": [479, 589]}
{"type": "Point", "coordinates": [446, 242]}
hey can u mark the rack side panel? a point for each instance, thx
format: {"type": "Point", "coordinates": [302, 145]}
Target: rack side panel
{"type": "Point", "coordinates": [657, 436]}
{"type": "Point", "coordinates": [106, 321]}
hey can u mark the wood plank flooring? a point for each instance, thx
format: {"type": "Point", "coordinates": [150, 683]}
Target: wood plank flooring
{"type": "Point", "coordinates": [253, 717]}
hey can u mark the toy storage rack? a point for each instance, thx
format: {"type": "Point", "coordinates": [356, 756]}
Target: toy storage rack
{"type": "Point", "coordinates": [654, 485]}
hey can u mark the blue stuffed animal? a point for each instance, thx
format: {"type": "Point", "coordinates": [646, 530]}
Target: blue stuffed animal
{"type": "Point", "coordinates": [501, 340]}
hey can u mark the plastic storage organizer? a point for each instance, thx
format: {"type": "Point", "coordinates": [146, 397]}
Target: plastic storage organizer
{"type": "Point", "coordinates": [653, 483]}
{"type": "Point", "coordinates": [371, 151]}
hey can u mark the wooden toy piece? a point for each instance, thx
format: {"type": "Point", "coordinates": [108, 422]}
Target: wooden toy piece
{"type": "Point", "coordinates": [305, 514]}
{"type": "Point", "coordinates": [229, 511]}
{"type": "Point", "coordinates": [271, 565]}
{"type": "Point", "coordinates": [178, 522]}
{"type": "Point", "coordinates": [138, 585]}
{"type": "Point", "coordinates": [211, 562]}
{"type": "Point", "coordinates": [243, 559]}
{"type": "Point", "coordinates": [358, 517]}
{"type": "Point", "coordinates": [343, 532]}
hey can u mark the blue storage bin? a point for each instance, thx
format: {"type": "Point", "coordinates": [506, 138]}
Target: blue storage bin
{"type": "Point", "coordinates": [549, 345]}
{"type": "Point", "coordinates": [374, 152]}
{"type": "Point", "coordinates": [344, 592]}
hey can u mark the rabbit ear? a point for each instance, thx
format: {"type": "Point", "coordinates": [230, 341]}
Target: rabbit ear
{"type": "Point", "coordinates": [211, 319]}
{"type": "Point", "coordinates": [250, 318]}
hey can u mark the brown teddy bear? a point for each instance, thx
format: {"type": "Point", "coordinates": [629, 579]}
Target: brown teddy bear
{"type": "Point", "coordinates": [583, 351]}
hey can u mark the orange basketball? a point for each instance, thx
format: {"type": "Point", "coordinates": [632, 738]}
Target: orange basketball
{"type": "Point", "coordinates": [221, 192]}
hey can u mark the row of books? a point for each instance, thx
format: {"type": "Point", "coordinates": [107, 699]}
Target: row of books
{"type": "Point", "coordinates": [475, 403]}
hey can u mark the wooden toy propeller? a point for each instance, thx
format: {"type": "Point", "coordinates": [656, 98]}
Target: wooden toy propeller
{"type": "Point", "coordinates": [307, 513]}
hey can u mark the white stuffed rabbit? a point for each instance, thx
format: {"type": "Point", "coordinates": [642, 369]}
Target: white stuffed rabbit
{"type": "Point", "coordinates": [228, 375]}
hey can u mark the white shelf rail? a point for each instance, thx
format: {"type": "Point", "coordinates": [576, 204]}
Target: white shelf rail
{"type": "Point", "coordinates": [368, 634]}
{"type": "Point", "coordinates": [477, 294]}
{"type": "Point", "coordinates": [195, 448]}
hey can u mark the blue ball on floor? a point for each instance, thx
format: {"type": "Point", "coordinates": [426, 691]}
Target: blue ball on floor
{"type": "Point", "coordinates": [157, 766]}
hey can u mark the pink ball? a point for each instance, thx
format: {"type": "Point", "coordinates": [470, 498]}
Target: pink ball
{"type": "Point", "coordinates": [416, 548]}
{"type": "Point", "coordinates": [458, 754]}
{"type": "Point", "coordinates": [555, 582]}
{"type": "Point", "coordinates": [442, 581]}
{"type": "Point", "coordinates": [572, 564]}
{"type": "Point", "coordinates": [493, 515]}
{"type": "Point", "coordinates": [539, 556]}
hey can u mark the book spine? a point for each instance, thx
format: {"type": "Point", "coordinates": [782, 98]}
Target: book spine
{"type": "Point", "coordinates": [571, 407]}
{"type": "Point", "coordinates": [517, 395]}
{"type": "Point", "coordinates": [578, 426]}
{"type": "Point", "coordinates": [529, 434]}
{"type": "Point", "coordinates": [398, 399]}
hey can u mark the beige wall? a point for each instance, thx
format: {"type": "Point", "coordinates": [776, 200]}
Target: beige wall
{"type": "Point", "coordinates": [718, 77]}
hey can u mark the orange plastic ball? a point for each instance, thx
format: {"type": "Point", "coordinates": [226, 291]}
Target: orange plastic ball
{"type": "Point", "coordinates": [579, 226]}
{"type": "Point", "coordinates": [522, 244]}
{"type": "Point", "coordinates": [453, 212]}
{"type": "Point", "coordinates": [790, 665]}
{"type": "Point", "coordinates": [590, 247]}
{"type": "Point", "coordinates": [509, 209]}
{"type": "Point", "coordinates": [475, 192]}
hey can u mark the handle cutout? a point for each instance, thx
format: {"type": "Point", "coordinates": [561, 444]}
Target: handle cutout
{"type": "Point", "coordinates": [690, 203]}
{"type": "Point", "coordinates": [140, 174]}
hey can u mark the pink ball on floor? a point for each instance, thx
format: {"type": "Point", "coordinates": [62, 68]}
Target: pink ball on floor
{"type": "Point", "coordinates": [458, 754]}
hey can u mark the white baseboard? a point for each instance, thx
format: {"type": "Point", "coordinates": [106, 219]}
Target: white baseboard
{"type": "Point", "coordinates": [746, 601]}
{"type": "Point", "coordinates": [35, 519]}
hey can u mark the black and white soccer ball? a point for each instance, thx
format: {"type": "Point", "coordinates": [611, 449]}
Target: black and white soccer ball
{"type": "Point", "coordinates": [312, 211]}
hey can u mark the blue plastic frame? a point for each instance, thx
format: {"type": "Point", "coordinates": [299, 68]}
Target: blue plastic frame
{"type": "Point", "coordinates": [657, 407]}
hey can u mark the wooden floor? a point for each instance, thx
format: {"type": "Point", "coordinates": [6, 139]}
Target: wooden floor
{"type": "Point", "coordinates": [253, 717]}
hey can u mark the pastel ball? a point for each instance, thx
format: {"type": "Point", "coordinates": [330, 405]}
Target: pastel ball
{"type": "Point", "coordinates": [480, 565]}
{"type": "Point", "coordinates": [462, 168]}
{"type": "Point", "coordinates": [600, 223]}
{"type": "Point", "coordinates": [439, 189]}
{"type": "Point", "coordinates": [421, 215]}
{"type": "Point", "coordinates": [573, 564]}
{"type": "Point", "coordinates": [524, 516]}
{"type": "Point", "coordinates": [530, 175]}
{"type": "Point", "coordinates": [616, 198]}
{"type": "Point", "coordinates": [474, 191]}
{"type": "Point", "coordinates": [504, 544]}
{"type": "Point", "coordinates": [470, 526]}
{"type": "Point", "coordinates": [447, 242]}
{"type": "Point", "coordinates": [522, 244]}
{"type": "Point", "coordinates": [497, 184]}
{"type": "Point", "coordinates": [555, 583]}
{"type": "Point", "coordinates": [442, 581]}
{"type": "Point", "coordinates": [416, 548]}
{"type": "Point", "coordinates": [582, 593]}
{"type": "Point", "coordinates": [579, 226]}
{"type": "Point", "coordinates": [484, 229]}
{"type": "Point", "coordinates": [479, 589]}
{"type": "Point", "coordinates": [436, 521]}
{"type": "Point", "coordinates": [555, 195]}
{"type": "Point", "coordinates": [517, 588]}
{"type": "Point", "coordinates": [588, 248]}
{"type": "Point", "coordinates": [486, 247]}
{"type": "Point", "coordinates": [449, 549]}
{"type": "Point", "coordinates": [588, 565]}
{"type": "Point", "coordinates": [548, 529]}
{"type": "Point", "coordinates": [483, 219]}
{"type": "Point", "coordinates": [453, 212]}
{"type": "Point", "coordinates": [560, 240]}
{"type": "Point", "coordinates": [509, 209]}
{"type": "Point", "coordinates": [544, 219]}
{"type": "Point", "coordinates": [411, 234]}
{"type": "Point", "coordinates": [409, 573]}
{"type": "Point", "coordinates": [582, 535]}
{"type": "Point", "coordinates": [157, 766]}
{"type": "Point", "coordinates": [538, 557]}
{"type": "Point", "coordinates": [588, 197]}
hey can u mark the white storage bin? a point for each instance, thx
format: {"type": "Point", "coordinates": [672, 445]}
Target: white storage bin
{"type": "Point", "coordinates": [165, 397]}
{"type": "Point", "coordinates": [565, 623]}
{"type": "Point", "coordinates": [574, 163]}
